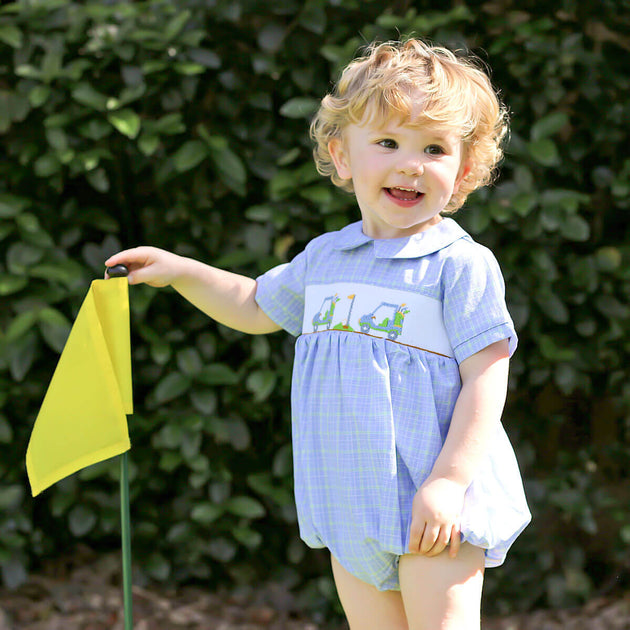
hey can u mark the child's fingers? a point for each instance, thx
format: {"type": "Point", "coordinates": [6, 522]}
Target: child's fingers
{"type": "Point", "coordinates": [434, 540]}
{"type": "Point", "coordinates": [143, 264]}
{"type": "Point", "coordinates": [456, 541]}
{"type": "Point", "coordinates": [148, 275]}
{"type": "Point", "coordinates": [133, 258]}
{"type": "Point", "coordinates": [415, 537]}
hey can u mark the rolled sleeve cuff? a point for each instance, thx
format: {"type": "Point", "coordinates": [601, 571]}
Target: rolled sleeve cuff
{"type": "Point", "coordinates": [486, 338]}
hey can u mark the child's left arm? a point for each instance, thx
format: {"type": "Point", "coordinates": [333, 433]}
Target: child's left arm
{"type": "Point", "coordinates": [438, 502]}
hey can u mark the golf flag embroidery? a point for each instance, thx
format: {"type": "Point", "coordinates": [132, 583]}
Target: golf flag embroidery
{"type": "Point", "coordinates": [82, 419]}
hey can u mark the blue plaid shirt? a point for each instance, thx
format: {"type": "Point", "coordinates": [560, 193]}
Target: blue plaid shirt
{"type": "Point", "coordinates": [381, 328]}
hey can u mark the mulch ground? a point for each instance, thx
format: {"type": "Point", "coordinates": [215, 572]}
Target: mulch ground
{"type": "Point", "coordinates": [87, 597]}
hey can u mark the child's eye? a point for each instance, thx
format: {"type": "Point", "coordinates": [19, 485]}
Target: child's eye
{"type": "Point", "coordinates": [435, 149]}
{"type": "Point", "coordinates": [388, 143]}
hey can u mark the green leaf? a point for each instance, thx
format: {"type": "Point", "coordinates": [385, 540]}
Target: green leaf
{"type": "Point", "coordinates": [14, 107]}
{"type": "Point", "coordinates": [238, 434]}
{"type": "Point", "coordinates": [12, 284]}
{"type": "Point", "coordinates": [54, 327]}
{"type": "Point", "coordinates": [169, 125]}
{"type": "Point", "coordinates": [551, 351]}
{"type": "Point", "coordinates": [85, 94]}
{"type": "Point", "coordinates": [611, 307]}
{"type": "Point", "coordinates": [189, 361]}
{"type": "Point", "coordinates": [545, 152]}
{"type": "Point", "coordinates": [524, 203]}
{"type": "Point", "coordinates": [169, 461]}
{"type": "Point", "coordinates": [171, 386]}
{"type": "Point", "coordinates": [160, 352]}
{"type": "Point", "coordinates": [6, 437]}
{"type": "Point", "coordinates": [189, 69]}
{"type": "Point", "coordinates": [608, 258]}
{"type": "Point", "coordinates": [126, 121]}
{"type": "Point", "coordinates": [261, 383]}
{"type": "Point", "coordinates": [191, 444]}
{"type": "Point", "coordinates": [549, 125]}
{"type": "Point", "coordinates": [39, 95]}
{"type": "Point", "coordinates": [245, 506]}
{"type": "Point", "coordinates": [568, 200]}
{"type": "Point", "coordinates": [98, 179]}
{"type": "Point", "coordinates": [217, 374]}
{"type": "Point", "coordinates": [575, 228]}
{"type": "Point", "coordinates": [12, 205]}
{"type": "Point", "coordinates": [157, 566]}
{"type": "Point", "coordinates": [204, 57]}
{"type": "Point", "coordinates": [21, 256]}
{"type": "Point", "coordinates": [552, 306]}
{"type": "Point", "coordinates": [263, 484]}
{"type": "Point", "coordinates": [282, 185]}
{"type": "Point", "coordinates": [189, 155]}
{"type": "Point", "coordinates": [175, 26]}
{"type": "Point", "coordinates": [21, 355]}
{"type": "Point", "coordinates": [313, 17]}
{"type": "Point", "coordinates": [95, 129]}
{"type": "Point", "coordinates": [271, 36]}
{"type": "Point", "coordinates": [566, 378]}
{"type": "Point", "coordinates": [21, 324]}
{"type": "Point", "coordinates": [10, 495]}
{"type": "Point", "coordinates": [204, 401]}
{"type": "Point", "coordinates": [148, 144]}
{"type": "Point", "coordinates": [222, 549]}
{"type": "Point", "coordinates": [283, 461]}
{"type": "Point", "coordinates": [206, 512]}
{"type": "Point", "coordinates": [228, 165]}
{"type": "Point", "coordinates": [47, 165]}
{"type": "Point", "coordinates": [81, 520]}
{"type": "Point", "coordinates": [169, 436]}
{"type": "Point", "coordinates": [261, 213]}
{"type": "Point", "coordinates": [5, 229]}
{"type": "Point", "coordinates": [299, 107]}
{"type": "Point", "coordinates": [11, 35]}
{"type": "Point", "coordinates": [248, 537]}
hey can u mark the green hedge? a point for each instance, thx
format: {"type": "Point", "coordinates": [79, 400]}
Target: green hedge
{"type": "Point", "coordinates": [184, 125]}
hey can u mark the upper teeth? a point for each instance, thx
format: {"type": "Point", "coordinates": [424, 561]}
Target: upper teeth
{"type": "Point", "coordinates": [406, 189]}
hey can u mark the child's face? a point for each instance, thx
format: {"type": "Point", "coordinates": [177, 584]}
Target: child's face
{"type": "Point", "coordinates": [403, 176]}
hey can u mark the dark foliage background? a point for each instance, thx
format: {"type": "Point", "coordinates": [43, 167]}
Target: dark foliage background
{"type": "Point", "coordinates": [184, 125]}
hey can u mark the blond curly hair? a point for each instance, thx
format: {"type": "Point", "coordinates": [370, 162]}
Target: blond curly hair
{"type": "Point", "coordinates": [457, 95]}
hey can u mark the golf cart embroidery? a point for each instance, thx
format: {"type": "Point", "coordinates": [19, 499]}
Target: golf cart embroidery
{"type": "Point", "coordinates": [392, 324]}
{"type": "Point", "coordinates": [386, 317]}
{"type": "Point", "coordinates": [377, 311]}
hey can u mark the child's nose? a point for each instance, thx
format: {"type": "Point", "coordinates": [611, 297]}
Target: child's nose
{"type": "Point", "coordinates": [411, 165]}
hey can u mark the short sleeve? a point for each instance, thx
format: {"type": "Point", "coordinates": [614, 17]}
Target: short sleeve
{"type": "Point", "coordinates": [280, 294]}
{"type": "Point", "coordinates": [475, 312]}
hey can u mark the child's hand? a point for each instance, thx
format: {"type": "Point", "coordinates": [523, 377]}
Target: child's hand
{"type": "Point", "coordinates": [153, 266]}
{"type": "Point", "coordinates": [435, 515]}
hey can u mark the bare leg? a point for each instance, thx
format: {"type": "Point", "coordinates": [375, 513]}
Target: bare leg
{"type": "Point", "coordinates": [443, 593]}
{"type": "Point", "coordinates": [365, 606]}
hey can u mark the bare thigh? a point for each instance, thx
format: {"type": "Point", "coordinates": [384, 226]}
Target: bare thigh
{"type": "Point", "coordinates": [366, 607]}
{"type": "Point", "coordinates": [443, 593]}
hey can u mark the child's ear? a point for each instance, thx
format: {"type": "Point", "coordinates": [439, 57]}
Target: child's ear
{"type": "Point", "coordinates": [464, 169]}
{"type": "Point", "coordinates": [340, 158]}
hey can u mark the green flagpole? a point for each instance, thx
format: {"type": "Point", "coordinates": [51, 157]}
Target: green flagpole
{"type": "Point", "coordinates": [120, 271]}
{"type": "Point", "coordinates": [126, 540]}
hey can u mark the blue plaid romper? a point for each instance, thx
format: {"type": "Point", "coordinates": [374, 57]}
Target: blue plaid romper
{"type": "Point", "coordinates": [381, 328]}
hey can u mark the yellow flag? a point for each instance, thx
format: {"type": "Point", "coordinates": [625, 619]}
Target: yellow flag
{"type": "Point", "coordinates": [82, 418]}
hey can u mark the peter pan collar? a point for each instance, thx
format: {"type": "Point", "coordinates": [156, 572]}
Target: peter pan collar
{"type": "Point", "coordinates": [432, 240]}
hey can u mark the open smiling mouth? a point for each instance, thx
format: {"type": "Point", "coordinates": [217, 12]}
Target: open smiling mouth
{"type": "Point", "coordinates": [404, 194]}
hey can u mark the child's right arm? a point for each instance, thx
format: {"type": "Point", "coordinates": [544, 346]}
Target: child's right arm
{"type": "Point", "coordinates": [226, 297]}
